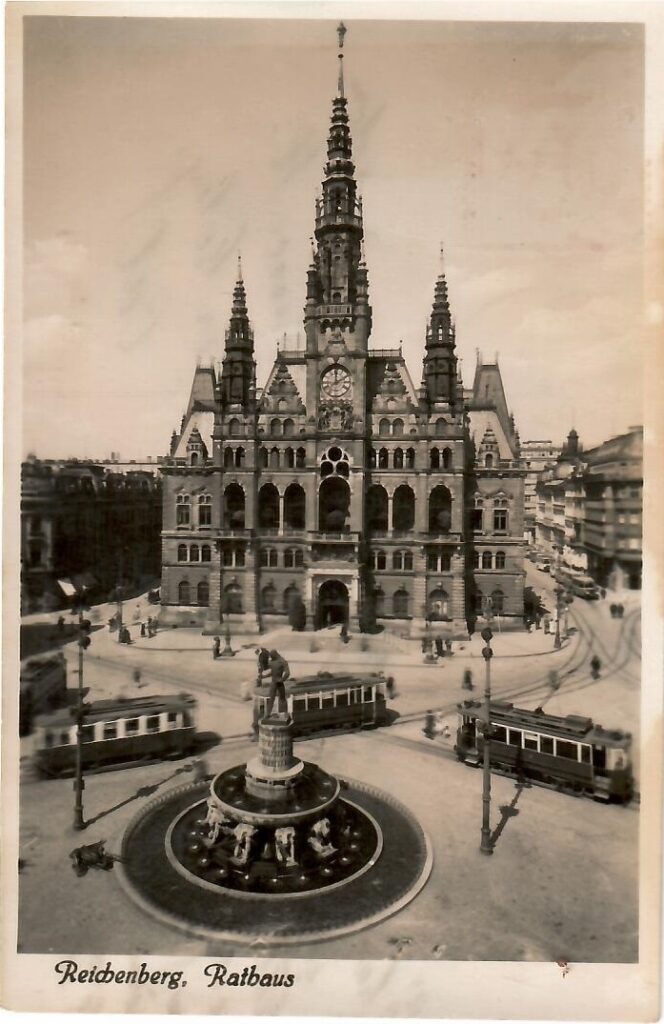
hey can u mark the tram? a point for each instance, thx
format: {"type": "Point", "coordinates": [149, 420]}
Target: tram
{"type": "Point", "coordinates": [117, 731]}
{"type": "Point", "coordinates": [43, 687]}
{"type": "Point", "coordinates": [572, 753]}
{"type": "Point", "coordinates": [330, 700]}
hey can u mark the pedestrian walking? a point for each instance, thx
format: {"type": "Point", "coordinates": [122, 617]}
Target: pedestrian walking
{"type": "Point", "coordinates": [595, 666]}
{"type": "Point", "coordinates": [136, 676]}
{"type": "Point", "coordinates": [547, 625]}
{"type": "Point", "coordinates": [216, 647]}
{"type": "Point", "coordinates": [389, 687]}
{"type": "Point", "coordinates": [429, 729]}
{"type": "Point", "coordinates": [440, 650]}
{"type": "Point", "coordinates": [554, 681]}
{"type": "Point", "coordinates": [613, 608]}
{"type": "Point", "coordinates": [61, 624]}
{"type": "Point", "coordinates": [538, 619]}
{"type": "Point", "coordinates": [343, 634]}
{"type": "Point", "coordinates": [279, 673]}
{"type": "Point", "coordinates": [448, 648]}
{"type": "Point", "coordinates": [149, 625]}
{"type": "Point", "coordinates": [467, 680]}
{"type": "Point", "coordinates": [263, 663]}
{"type": "Point", "coordinates": [143, 631]}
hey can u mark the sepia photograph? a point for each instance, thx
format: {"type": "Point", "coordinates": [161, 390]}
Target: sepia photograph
{"type": "Point", "coordinates": [327, 591]}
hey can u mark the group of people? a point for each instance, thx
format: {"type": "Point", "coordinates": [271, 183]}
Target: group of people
{"type": "Point", "coordinates": [617, 611]}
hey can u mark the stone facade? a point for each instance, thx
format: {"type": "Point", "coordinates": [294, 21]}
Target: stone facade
{"type": "Point", "coordinates": [340, 492]}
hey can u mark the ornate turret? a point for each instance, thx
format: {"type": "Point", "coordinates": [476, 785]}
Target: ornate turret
{"type": "Point", "coordinates": [337, 283]}
{"type": "Point", "coordinates": [440, 365]}
{"type": "Point", "coordinates": [239, 369]}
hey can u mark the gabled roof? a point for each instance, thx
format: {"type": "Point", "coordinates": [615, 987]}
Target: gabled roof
{"type": "Point", "coordinates": [389, 384]}
{"type": "Point", "coordinates": [202, 390]}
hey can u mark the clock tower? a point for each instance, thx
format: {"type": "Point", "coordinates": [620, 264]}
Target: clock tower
{"type": "Point", "coordinates": [337, 314]}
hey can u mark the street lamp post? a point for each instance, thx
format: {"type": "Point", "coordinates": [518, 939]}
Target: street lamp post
{"type": "Point", "coordinates": [557, 641]}
{"type": "Point", "coordinates": [79, 784]}
{"type": "Point", "coordinates": [486, 845]}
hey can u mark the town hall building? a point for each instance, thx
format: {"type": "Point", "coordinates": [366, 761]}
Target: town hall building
{"type": "Point", "coordinates": [340, 492]}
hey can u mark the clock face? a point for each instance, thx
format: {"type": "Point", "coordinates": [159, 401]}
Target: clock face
{"type": "Point", "coordinates": [336, 382]}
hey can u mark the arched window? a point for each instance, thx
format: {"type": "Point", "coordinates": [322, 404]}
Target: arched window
{"type": "Point", "coordinates": [289, 428]}
{"type": "Point", "coordinates": [183, 592]}
{"type": "Point", "coordinates": [376, 509]}
{"type": "Point", "coordinates": [239, 457]}
{"type": "Point", "coordinates": [182, 510]}
{"type": "Point", "coordinates": [397, 428]}
{"type": "Point", "coordinates": [206, 553]}
{"type": "Point", "coordinates": [194, 553]}
{"type": "Point", "coordinates": [408, 561]}
{"type": "Point", "coordinates": [378, 560]}
{"type": "Point", "coordinates": [268, 507]}
{"type": "Point", "coordinates": [438, 604]}
{"type": "Point", "coordinates": [440, 510]}
{"type": "Point", "coordinates": [397, 561]}
{"type": "Point", "coordinates": [182, 552]}
{"type": "Point", "coordinates": [383, 458]}
{"type": "Point", "coordinates": [193, 459]}
{"type": "Point", "coordinates": [500, 559]}
{"type": "Point", "coordinates": [229, 458]}
{"type": "Point", "coordinates": [440, 428]}
{"type": "Point", "coordinates": [400, 603]}
{"type": "Point", "coordinates": [299, 558]}
{"type": "Point", "coordinates": [233, 599]}
{"type": "Point", "coordinates": [205, 510]}
{"type": "Point", "coordinates": [384, 428]}
{"type": "Point", "coordinates": [289, 457]}
{"type": "Point", "coordinates": [262, 458]}
{"type": "Point", "coordinates": [488, 460]}
{"type": "Point", "coordinates": [275, 428]}
{"type": "Point", "coordinates": [379, 602]}
{"type": "Point", "coordinates": [295, 504]}
{"type": "Point", "coordinates": [300, 458]}
{"type": "Point", "coordinates": [447, 458]}
{"type": "Point", "coordinates": [203, 594]}
{"type": "Point", "coordinates": [273, 558]}
{"type": "Point", "coordinates": [410, 458]}
{"type": "Point", "coordinates": [334, 505]}
{"type": "Point", "coordinates": [289, 558]}
{"type": "Point", "coordinates": [268, 596]}
{"type": "Point", "coordinates": [263, 558]}
{"type": "Point", "coordinates": [274, 458]}
{"type": "Point", "coordinates": [487, 559]}
{"type": "Point", "coordinates": [434, 458]}
{"type": "Point", "coordinates": [498, 602]}
{"type": "Point", "coordinates": [403, 509]}
{"type": "Point", "coordinates": [398, 458]}
{"type": "Point", "coordinates": [234, 507]}
{"type": "Point", "coordinates": [234, 428]}
{"type": "Point", "coordinates": [291, 595]}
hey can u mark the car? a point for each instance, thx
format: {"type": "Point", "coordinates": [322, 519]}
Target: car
{"type": "Point", "coordinates": [543, 566]}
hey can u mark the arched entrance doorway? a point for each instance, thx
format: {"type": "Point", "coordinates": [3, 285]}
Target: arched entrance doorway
{"type": "Point", "coordinates": [332, 608]}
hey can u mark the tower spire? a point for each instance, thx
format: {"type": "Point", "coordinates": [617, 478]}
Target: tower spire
{"type": "Point", "coordinates": [238, 366]}
{"type": "Point", "coordinates": [440, 365]}
{"type": "Point", "coordinates": [341, 32]}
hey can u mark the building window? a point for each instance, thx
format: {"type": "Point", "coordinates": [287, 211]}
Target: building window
{"type": "Point", "coordinates": [182, 513]}
{"type": "Point", "coordinates": [206, 553]}
{"type": "Point", "coordinates": [234, 428]}
{"type": "Point", "coordinates": [434, 458]}
{"type": "Point", "coordinates": [379, 602]}
{"type": "Point", "coordinates": [194, 553]}
{"type": "Point", "coordinates": [229, 458]}
{"type": "Point", "coordinates": [397, 460]}
{"type": "Point", "coordinates": [447, 458]}
{"type": "Point", "coordinates": [239, 457]}
{"type": "Point", "coordinates": [203, 594]}
{"type": "Point", "coordinates": [263, 558]}
{"type": "Point", "coordinates": [300, 458]}
{"type": "Point", "coordinates": [183, 592]}
{"type": "Point", "coordinates": [299, 559]}
{"type": "Point", "coordinates": [239, 557]}
{"type": "Point", "coordinates": [397, 428]}
{"type": "Point", "coordinates": [500, 559]}
{"type": "Point", "coordinates": [227, 557]}
{"type": "Point", "coordinates": [432, 562]}
{"type": "Point", "coordinates": [497, 602]}
{"type": "Point", "coordinates": [384, 428]}
{"type": "Point", "coordinates": [289, 428]}
{"type": "Point", "coordinates": [268, 595]}
{"type": "Point", "coordinates": [397, 561]}
{"type": "Point", "coordinates": [205, 510]}
{"type": "Point", "coordinates": [273, 558]}
{"type": "Point", "coordinates": [407, 561]}
{"type": "Point", "coordinates": [383, 458]}
{"type": "Point", "coordinates": [500, 520]}
{"type": "Point", "coordinates": [487, 559]}
{"type": "Point", "coordinates": [438, 604]}
{"type": "Point", "coordinates": [182, 552]}
{"type": "Point", "coordinates": [410, 458]}
{"type": "Point", "coordinates": [488, 461]}
{"type": "Point", "coordinates": [233, 599]}
{"type": "Point", "coordinates": [378, 560]}
{"type": "Point", "coordinates": [400, 603]}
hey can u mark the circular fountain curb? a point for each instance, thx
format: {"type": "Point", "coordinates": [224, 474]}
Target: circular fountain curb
{"type": "Point", "coordinates": [419, 852]}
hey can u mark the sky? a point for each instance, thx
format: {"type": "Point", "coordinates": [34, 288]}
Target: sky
{"type": "Point", "coordinates": [156, 149]}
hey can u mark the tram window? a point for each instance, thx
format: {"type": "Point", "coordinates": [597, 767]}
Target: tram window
{"type": "Point", "coordinates": [530, 740]}
{"type": "Point", "coordinates": [110, 730]}
{"type": "Point", "coordinates": [499, 732]}
{"type": "Point", "coordinates": [327, 700]}
{"type": "Point", "coordinates": [515, 737]}
{"type": "Point", "coordinates": [152, 723]}
{"type": "Point", "coordinates": [131, 726]}
{"type": "Point", "coordinates": [546, 744]}
{"type": "Point", "coordinates": [368, 693]}
{"type": "Point", "coordinates": [88, 734]}
{"type": "Point", "coordinates": [48, 739]}
{"type": "Point", "coordinates": [299, 703]}
{"type": "Point", "coordinates": [64, 737]}
{"type": "Point", "coordinates": [314, 701]}
{"type": "Point", "coordinates": [187, 719]}
{"type": "Point", "coordinates": [172, 718]}
{"type": "Point", "coordinates": [566, 749]}
{"type": "Point", "coordinates": [342, 699]}
{"type": "Point", "coordinates": [585, 754]}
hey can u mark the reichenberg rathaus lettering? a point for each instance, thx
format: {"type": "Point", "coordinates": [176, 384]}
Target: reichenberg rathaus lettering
{"type": "Point", "coordinates": [339, 492]}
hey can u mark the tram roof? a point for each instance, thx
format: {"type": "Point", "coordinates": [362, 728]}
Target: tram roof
{"type": "Point", "coordinates": [574, 727]}
{"type": "Point", "coordinates": [333, 681]}
{"type": "Point", "coordinates": [131, 707]}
